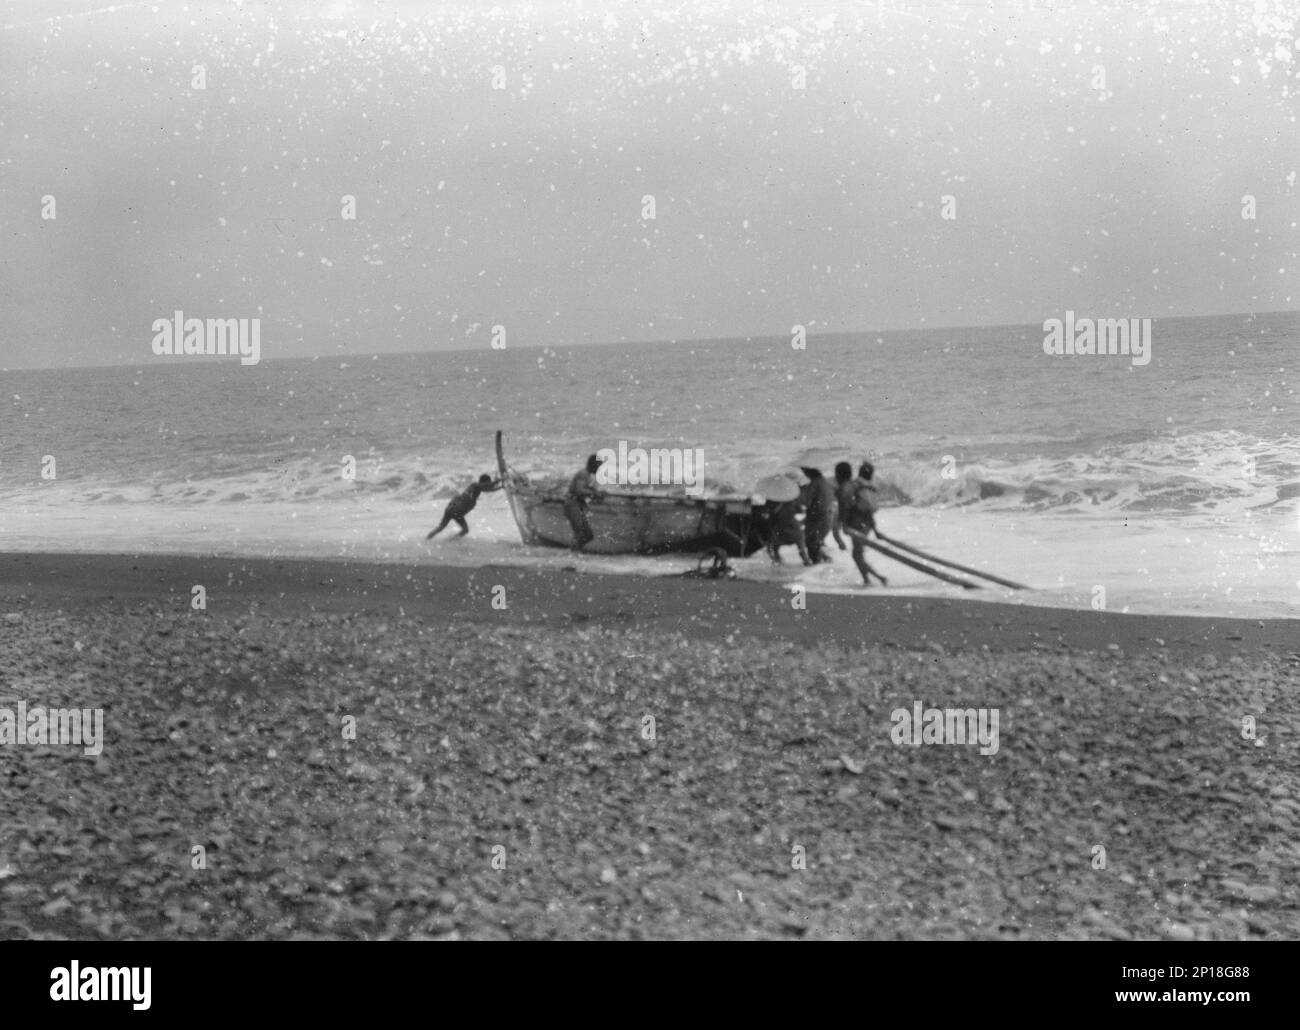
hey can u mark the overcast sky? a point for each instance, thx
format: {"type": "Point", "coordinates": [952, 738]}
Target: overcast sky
{"type": "Point", "coordinates": [1097, 157]}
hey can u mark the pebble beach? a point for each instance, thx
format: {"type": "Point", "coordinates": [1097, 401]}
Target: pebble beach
{"type": "Point", "coordinates": [342, 750]}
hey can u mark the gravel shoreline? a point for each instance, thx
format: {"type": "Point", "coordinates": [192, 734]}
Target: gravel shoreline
{"type": "Point", "coordinates": [226, 730]}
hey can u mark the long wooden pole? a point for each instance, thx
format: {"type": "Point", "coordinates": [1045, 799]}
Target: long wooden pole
{"type": "Point", "coordinates": [952, 564]}
{"type": "Point", "coordinates": [889, 553]}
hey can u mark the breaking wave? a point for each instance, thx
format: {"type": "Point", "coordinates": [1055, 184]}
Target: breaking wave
{"type": "Point", "coordinates": [1200, 473]}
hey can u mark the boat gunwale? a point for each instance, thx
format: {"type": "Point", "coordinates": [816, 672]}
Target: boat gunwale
{"type": "Point", "coordinates": [558, 494]}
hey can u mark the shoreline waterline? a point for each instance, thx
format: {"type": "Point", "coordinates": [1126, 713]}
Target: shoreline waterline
{"type": "Point", "coordinates": [1151, 566]}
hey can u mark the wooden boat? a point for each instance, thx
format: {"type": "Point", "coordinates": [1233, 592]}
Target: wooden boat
{"type": "Point", "coordinates": [630, 521]}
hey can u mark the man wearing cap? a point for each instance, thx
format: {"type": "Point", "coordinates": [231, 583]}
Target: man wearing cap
{"type": "Point", "coordinates": [582, 488]}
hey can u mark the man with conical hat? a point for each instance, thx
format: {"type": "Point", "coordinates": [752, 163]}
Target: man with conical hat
{"type": "Point", "coordinates": [784, 522]}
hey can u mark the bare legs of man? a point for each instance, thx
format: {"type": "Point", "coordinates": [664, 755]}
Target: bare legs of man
{"type": "Point", "coordinates": [859, 538]}
{"type": "Point", "coordinates": [458, 519]}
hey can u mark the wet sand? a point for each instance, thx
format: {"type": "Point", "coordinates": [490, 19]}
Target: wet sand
{"type": "Point", "coordinates": [704, 608]}
{"type": "Point", "coordinates": [503, 779]}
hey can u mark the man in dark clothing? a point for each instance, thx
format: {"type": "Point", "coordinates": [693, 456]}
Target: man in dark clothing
{"type": "Point", "coordinates": [786, 530]}
{"type": "Point", "coordinates": [582, 488]}
{"type": "Point", "coordinates": [821, 514]}
{"type": "Point", "coordinates": [857, 514]}
{"type": "Point", "coordinates": [463, 503]}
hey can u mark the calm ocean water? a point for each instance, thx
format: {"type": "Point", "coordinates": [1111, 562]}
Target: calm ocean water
{"type": "Point", "coordinates": [1174, 486]}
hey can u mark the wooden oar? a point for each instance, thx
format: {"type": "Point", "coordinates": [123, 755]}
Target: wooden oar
{"type": "Point", "coordinates": [952, 564]}
{"type": "Point", "coordinates": [955, 580]}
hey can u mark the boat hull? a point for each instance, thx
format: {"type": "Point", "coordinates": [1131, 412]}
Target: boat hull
{"type": "Point", "coordinates": [630, 522]}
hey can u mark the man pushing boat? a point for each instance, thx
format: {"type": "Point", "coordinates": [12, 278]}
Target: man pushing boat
{"type": "Point", "coordinates": [819, 520]}
{"type": "Point", "coordinates": [463, 503]}
{"type": "Point", "coordinates": [582, 489]}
